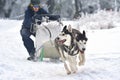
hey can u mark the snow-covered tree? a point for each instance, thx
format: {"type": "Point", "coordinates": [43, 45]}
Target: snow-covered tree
{"type": "Point", "coordinates": [14, 9]}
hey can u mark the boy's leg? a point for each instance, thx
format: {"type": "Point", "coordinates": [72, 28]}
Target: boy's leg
{"type": "Point", "coordinates": [27, 41]}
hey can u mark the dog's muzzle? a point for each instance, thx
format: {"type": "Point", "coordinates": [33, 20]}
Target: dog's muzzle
{"type": "Point", "coordinates": [58, 41]}
{"type": "Point", "coordinates": [82, 51]}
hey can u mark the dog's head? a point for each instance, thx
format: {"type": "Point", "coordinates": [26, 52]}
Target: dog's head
{"type": "Point", "coordinates": [81, 40]}
{"type": "Point", "coordinates": [65, 37]}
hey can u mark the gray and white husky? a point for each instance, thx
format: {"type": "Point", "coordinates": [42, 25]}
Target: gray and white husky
{"type": "Point", "coordinates": [70, 44]}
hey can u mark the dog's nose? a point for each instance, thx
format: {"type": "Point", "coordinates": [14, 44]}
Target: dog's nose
{"type": "Point", "coordinates": [57, 38]}
{"type": "Point", "coordinates": [83, 49]}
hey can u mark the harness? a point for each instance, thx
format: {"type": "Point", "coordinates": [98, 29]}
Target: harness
{"type": "Point", "coordinates": [82, 52]}
{"type": "Point", "coordinates": [71, 50]}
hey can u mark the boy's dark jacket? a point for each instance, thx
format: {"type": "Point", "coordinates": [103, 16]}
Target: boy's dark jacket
{"type": "Point", "coordinates": [29, 14]}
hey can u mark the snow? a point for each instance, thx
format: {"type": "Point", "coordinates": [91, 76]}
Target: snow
{"type": "Point", "coordinates": [102, 56]}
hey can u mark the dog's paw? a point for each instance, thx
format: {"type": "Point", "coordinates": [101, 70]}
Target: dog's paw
{"type": "Point", "coordinates": [74, 71]}
{"type": "Point", "coordinates": [68, 73]}
{"type": "Point", "coordinates": [81, 63]}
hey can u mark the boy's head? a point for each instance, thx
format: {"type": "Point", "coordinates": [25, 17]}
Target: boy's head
{"type": "Point", "coordinates": [35, 4]}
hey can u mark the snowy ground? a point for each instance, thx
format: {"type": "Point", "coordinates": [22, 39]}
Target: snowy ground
{"type": "Point", "coordinates": [102, 57]}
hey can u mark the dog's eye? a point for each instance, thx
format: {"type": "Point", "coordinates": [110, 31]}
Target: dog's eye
{"type": "Point", "coordinates": [63, 34]}
{"type": "Point", "coordinates": [84, 42]}
{"type": "Point", "coordinates": [80, 42]}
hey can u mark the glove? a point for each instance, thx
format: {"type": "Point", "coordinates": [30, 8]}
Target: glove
{"type": "Point", "coordinates": [33, 28]}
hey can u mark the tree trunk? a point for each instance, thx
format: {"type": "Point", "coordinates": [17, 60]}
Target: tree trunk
{"type": "Point", "coordinates": [78, 8]}
{"type": "Point", "coordinates": [51, 4]}
{"type": "Point", "coordinates": [2, 4]}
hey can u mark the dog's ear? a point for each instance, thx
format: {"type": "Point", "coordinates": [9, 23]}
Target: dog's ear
{"type": "Point", "coordinates": [69, 28]}
{"type": "Point", "coordinates": [84, 33]}
{"type": "Point", "coordinates": [65, 27]}
{"type": "Point", "coordinates": [76, 35]}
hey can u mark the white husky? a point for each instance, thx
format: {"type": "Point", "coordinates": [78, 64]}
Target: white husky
{"type": "Point", "coordinates": [70, 44]}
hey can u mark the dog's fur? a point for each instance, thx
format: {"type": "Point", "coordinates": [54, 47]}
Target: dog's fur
{"type": "Point", "coordinates": [70, 44]}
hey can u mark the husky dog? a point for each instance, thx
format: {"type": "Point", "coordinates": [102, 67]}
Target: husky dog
{"type": "Point", "coordinates": [81, 41]}
{"type": "Point", "coordinates": [70, 44]}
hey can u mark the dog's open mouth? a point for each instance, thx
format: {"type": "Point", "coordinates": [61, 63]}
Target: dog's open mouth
{"type": "Point", "coordinates": [81, 51]}
{"type": "Point", "coordinates": [61, 41]}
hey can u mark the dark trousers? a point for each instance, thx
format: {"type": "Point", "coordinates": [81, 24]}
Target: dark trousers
{"type": "Point", "coordinates": [27, 41]}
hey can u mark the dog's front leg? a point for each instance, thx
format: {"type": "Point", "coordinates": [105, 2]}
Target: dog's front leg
{"type": "Point", "coordinates": [64, 60]}
{"type": "Point", "coordinates": [66, 67]}
{"type": "Point", "coordinates": [73, 64]}
{"type": "Point", "coordinates": [82, 59]}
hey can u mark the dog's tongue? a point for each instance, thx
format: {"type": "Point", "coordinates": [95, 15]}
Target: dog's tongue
{"type": "Point", "coordinates": [61, 41]}
{"type": "Point", "coordinates": [82, 52]}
